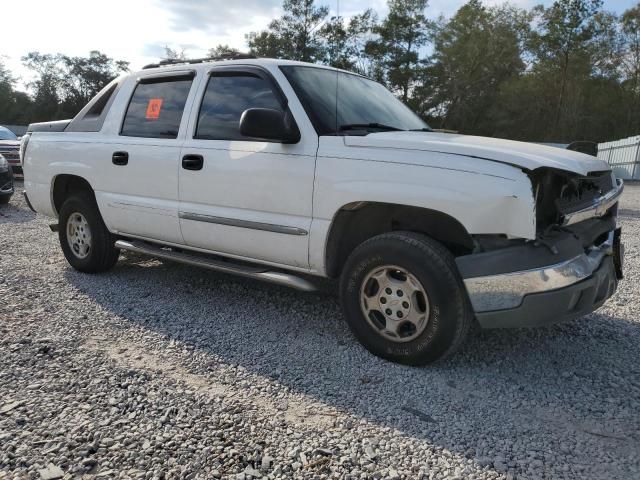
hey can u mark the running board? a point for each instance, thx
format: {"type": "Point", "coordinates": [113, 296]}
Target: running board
{"type": "Point", "coordinates": [220, 265]}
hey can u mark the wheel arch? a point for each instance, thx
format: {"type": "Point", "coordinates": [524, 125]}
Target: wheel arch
{"type": "Point", "coordinates": [356, 222]}
{"type": "Point", "coordinates": [63, 185]}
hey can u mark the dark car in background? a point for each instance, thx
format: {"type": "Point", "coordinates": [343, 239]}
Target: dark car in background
{"type": "Point", "coordinates": [6, 181]}
{"type": "Point", "coordinates": [10, 149]}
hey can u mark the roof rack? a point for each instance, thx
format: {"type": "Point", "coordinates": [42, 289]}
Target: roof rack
{"type": "Point", "coordinates": [225, 56]}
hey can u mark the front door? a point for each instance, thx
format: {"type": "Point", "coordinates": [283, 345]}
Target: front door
{"type": "Point", "coordinates": [240, 196]}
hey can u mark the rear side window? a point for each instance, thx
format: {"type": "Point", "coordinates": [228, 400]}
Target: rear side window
{"type": "Point", "coordinates": [92, 116]}
{"type": "Point", "coordinates": [156, 108]}
{"type": "Point", "coordinates": [101, 101]}
{"type": "Point", "coordinates": [227, 96]}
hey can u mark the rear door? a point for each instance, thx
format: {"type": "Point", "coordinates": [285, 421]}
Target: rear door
{"type": "Point", "coordinates": [249, 198]}
{"type": "Point", "coordinates": [139, 186]}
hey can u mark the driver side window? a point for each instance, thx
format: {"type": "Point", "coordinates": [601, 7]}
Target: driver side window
{"type": "Point", "coordinates": [227, 96]}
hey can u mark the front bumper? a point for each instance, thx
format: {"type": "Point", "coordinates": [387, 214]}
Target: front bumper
{"type": "Point", "coordinates": [577, 283]}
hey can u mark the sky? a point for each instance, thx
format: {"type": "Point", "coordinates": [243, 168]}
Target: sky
{"type": "Point", "coordinates": [138, 30]}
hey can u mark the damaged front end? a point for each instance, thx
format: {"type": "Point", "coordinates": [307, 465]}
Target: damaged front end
{"type": "Point", "coordinates": [570, 269]}
{"type": "Point", "coordinates": [563, 198]}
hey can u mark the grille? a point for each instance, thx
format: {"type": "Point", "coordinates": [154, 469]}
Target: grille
{"type": "Point", "coordinates": [11, 155]}
{"type": "Point", "coordinates": [582, 191]}
{"type": "Point", "coordinates": [602, 180]}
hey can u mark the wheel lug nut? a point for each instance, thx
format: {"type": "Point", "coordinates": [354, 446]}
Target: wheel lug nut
{"type": "Point", "coordinates": [388, 311]}
{"type": "Point", "coordinates": [405, 304]}
{"type": "Point", "coordinates": [400, 315]}
{"type": "Point", "coordinates": [388, 291]}
{"type": "Point", "coordinates": [400, 293]}
{"type": "Point", "coordinates": [383, 300]}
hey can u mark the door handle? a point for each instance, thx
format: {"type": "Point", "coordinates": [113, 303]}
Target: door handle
{"type": "Point", "coordinates": [192, 162]}
{"type": "Point", "coordinates": [120, 158]}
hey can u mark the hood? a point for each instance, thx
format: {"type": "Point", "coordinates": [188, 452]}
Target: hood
{"type": "Point", "coordinates": [528, 156]}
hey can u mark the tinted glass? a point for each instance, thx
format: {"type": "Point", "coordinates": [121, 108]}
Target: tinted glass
{"type": "Point", "coordinates": [156, 109]}
{"type": "Point", "coordinates": [226, 98]}
{"type": "Point", "coordinates": [354, 99]}
{"type": "Point", "coordinates": [101, 102]}
{"type": "Point", "coordinates": [6, 134]}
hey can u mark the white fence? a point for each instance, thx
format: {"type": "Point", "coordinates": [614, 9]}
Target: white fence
{"type": "Point", "coordinates": [623, 156]}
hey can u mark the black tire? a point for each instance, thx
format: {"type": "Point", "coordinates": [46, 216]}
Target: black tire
{"type": "Point", "coordinates": [103, 255]}
{"type": "Point", "coordinates": [449, 316]}
{"type": "Point", "coordinates": [4, 199]}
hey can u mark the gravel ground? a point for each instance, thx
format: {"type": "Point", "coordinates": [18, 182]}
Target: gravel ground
{"type": "Point", "coordinates": [158, 370]}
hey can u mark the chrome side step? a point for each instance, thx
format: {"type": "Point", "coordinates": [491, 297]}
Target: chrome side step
{"type": "Point", "coordinates": [220, 265]}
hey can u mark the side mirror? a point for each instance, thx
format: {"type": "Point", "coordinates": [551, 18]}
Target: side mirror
{"type": "Point", "coordinates": [269, 124]}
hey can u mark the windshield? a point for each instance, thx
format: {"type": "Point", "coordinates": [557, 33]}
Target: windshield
{"type": "Point", "coordinates": [6, 134]}
{"type": "Point", "coordinates": [357, 102]}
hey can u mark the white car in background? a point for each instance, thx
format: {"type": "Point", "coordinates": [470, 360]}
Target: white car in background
{"type": "Point", "coordinates": [282, 171]}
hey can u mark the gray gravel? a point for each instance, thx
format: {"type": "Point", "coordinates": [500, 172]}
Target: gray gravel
{"type": "Point", "coordinates": [157, 370]}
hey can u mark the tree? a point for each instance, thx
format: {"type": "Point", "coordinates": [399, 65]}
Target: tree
{"type": "Point", "coordinates": [345, 41]}
{"type": "Point", "coordinates": [630, 64]}
{"type": "Point", "coordinates": [401, 37]}
{"type": "Point", "coordinates": [15, 106]}
{"type": "Point", "coordinates": [172, 54]}
{"type": "Point", "coordinates": [63, 85]}
{"type": "Point", "coordinates": [46, 85]}
{"type": "Point", "coordinates": [293, 36]}
{"type": "Point", "coordinates": [561, 48]}
{"type": "Point", "coordinates": [222, 50]}
{"type": "Point", "coordinates": [475, 52]}
{"type": "Point", "coordinates": [84, 77]}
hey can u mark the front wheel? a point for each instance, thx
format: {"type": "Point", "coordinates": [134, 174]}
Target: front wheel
{"type": "Point", "coordinates": [403, 298]}
{"type": "Point", "coordinates": [86, 242]}
{"type": "Point", "coordinates": [4, 199]}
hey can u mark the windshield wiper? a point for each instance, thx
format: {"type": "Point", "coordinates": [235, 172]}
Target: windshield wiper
{"type": "Point", "coordinates": [424, 129]}
{"type": "Point", "coordinates": [364, 126]}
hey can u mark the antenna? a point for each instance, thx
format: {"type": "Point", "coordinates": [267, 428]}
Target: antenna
{"type": "Point", "coordinates": [337, 73]}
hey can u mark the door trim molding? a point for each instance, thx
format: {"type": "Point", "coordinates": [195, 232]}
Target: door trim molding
{"type": "Point", "coordinates": [234, 222]}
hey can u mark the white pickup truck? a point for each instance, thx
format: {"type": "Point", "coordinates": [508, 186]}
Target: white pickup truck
{"type": "Point", "coordinates": [283, 171]}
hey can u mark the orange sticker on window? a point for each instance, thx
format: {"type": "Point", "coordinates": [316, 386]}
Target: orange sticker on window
{"type": "Point", "coordinates": [153, 109]}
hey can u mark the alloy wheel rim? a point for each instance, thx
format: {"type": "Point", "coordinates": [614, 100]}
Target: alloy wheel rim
{"type": "Point", "coordinates": [79, 235]}
{"type": "Point", "coordinates": [395, 303]}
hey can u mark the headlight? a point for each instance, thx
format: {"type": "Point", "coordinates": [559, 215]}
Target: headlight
{"type": "Point", "coordinates": [4, 166]}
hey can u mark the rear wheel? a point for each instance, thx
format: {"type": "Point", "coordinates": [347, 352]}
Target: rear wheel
{"type": "Point", "coordinates": [404, 299]}
{"type": "Point", "coordinates": [4, 199]}
{"type": "Point", "coordinates": [86, 242]}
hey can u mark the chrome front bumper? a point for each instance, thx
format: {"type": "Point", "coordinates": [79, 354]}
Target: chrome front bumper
{"type": "Point", "coordinates": [507, 291]}
{"type": "Point", "coordinates": [598, 208]}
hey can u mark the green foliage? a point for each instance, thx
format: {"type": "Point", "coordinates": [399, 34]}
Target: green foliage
{"type": "Point", "coordinates": [61, 86]}
{"type": "Point", "coordinates": [630, 64]}
{"type": "Point", "coordinates": [345, 41]}
{"type": "Point", "coordinates": [475, 52]}
{"type": "Point", "coordinates": [173, 54]}
{"type": "Point", "coordinates": [560, 73]}
{"type": "Point", "coordinates": [294, 35]}
{"type": "Point", "coordinates": [401, 36]}
{"type": "Point", "coordinates": [221, 50]}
